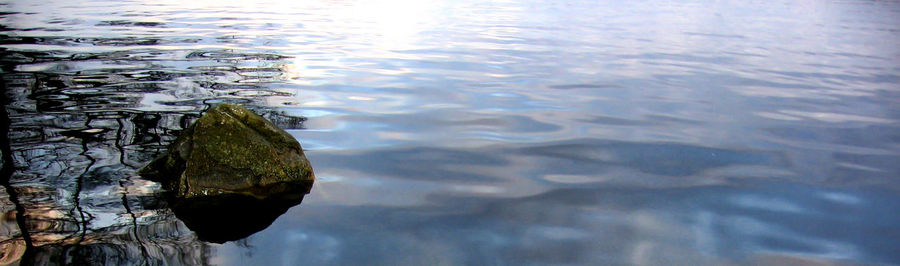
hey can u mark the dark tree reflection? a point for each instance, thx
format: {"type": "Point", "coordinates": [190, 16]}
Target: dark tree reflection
{"type": "Point", "coordinates": [77, 126]}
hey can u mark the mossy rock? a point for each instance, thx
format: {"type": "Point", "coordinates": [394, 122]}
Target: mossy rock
{"type": "Point", "coordinates": [231, 150]}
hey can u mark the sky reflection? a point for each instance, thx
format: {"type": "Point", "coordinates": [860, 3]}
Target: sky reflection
{"type": "Point", "coordinates": [633, 225]}
{"type": "Point", "coordinates": [502, 132]}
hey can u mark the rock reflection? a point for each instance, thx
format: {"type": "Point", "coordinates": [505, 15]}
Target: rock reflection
{"type": "Point", "coordinates": [78, 127]}
{"type": "Point", "coordinates": [230, 217]}
{"type": "Point", "coordinates": [231, 173]}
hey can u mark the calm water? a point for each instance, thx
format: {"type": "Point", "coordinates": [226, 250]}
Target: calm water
{"type": "Point", "coordinates": [467, 132]}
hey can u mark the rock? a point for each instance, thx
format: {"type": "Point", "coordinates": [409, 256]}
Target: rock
{"type": "Point", "coordinates": [232, 151]}
{"type": "Point", "coordinates": [231, 174]}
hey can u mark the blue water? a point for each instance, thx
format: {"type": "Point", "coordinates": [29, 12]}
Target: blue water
{"type": "Point", "coordinates": [467, 132]}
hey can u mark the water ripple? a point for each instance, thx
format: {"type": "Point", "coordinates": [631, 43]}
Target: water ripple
{"type": "Point", "coordinates": [470, 132]}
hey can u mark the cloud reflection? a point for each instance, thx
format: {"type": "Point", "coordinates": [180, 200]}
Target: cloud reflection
{"type": "Point", "coordinates": [597, 224]}
{"type": "Point", "coordinates": [489, 132]}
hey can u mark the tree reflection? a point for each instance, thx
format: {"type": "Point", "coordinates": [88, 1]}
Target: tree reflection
{"type": "Point", "coordinates": [74, 137]}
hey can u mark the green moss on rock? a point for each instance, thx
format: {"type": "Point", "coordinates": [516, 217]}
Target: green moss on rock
{"type": "Point", "coordinates": [231, 150]}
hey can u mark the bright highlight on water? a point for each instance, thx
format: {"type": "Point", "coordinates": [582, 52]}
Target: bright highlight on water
{"type": "Point", "coordinates": [462, 132]}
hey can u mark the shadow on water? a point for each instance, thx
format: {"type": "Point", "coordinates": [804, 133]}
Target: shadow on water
{"type": "Point", "coordinates": [78, 125]}
{"type": "Point", "coordinates": [245, 215]}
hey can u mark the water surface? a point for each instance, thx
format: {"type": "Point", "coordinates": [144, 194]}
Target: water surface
{"type": "Point", "coordinates": [467, 132]}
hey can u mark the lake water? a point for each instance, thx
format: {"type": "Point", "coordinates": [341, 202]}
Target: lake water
{"type": "Point", "coordinates": [466, 132]}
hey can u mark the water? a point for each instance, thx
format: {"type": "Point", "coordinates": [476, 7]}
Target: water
{"type": "Point", "coordinates": [467, 132]}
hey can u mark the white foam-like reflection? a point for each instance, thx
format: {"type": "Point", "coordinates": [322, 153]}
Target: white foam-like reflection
{"type": "Point", "coordinates": [766, 203]}
{"type": "Point", "coordinates": [837, 117]}
{"type": "Point", "coordinates": [841, 198]}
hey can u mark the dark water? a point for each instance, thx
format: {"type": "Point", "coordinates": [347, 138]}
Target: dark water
{"type": "Point", "coordinates": [466, 132]}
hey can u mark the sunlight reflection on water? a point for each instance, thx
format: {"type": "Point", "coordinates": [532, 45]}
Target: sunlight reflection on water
{"type": "Point", "coordinates": [472, 132]}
